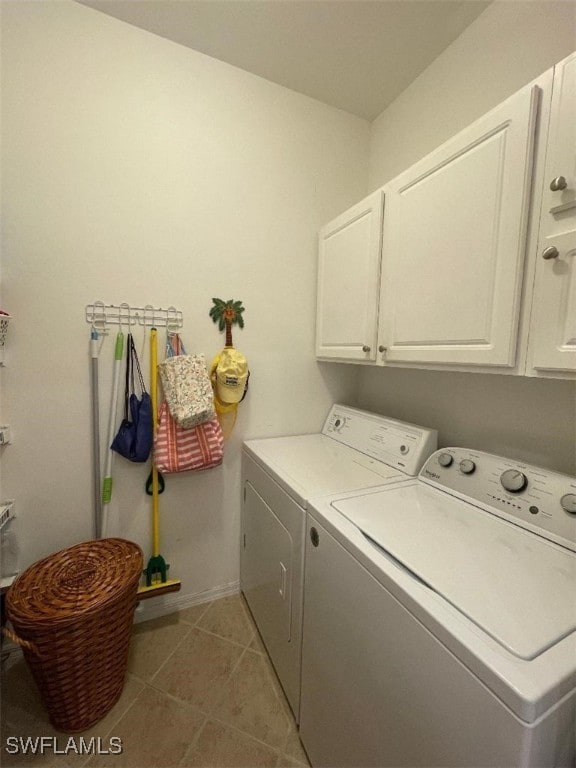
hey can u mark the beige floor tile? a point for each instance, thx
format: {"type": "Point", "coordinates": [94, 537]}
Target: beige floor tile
{"type": "Point", "coordinates": [219, 746]}
{"type": "Point", "coordinates": [193, 614]}
{"type": "Point", "coordinates": [248, 701]}
{"type": "Point", "coordinates": [228, 618]}
{"type": "Point", "coordinates": [257, 644]}
{"type": "Point", "coordinates": [277, 686]}
{"type": "Point", "coordinates": [20, 698]}
{"type": "Point", "coordinates": [15, 753]}
{"type": "Point", "coordinates": [152, 642]}
{"type": "Point", "coordinates": [285, 761]}
{"type": "Point", "coordinates": [132, 688]}
{"type": "Point", "coordinates": [294, 748]}
{"type": "Point", "coordinates": [199, 668]}
{"type": "Point", "coordinates": [199, 657]}
{"type": "Point", "coordinates": [24, 717]}
{"type": "Point", "coordinates": [156, 732]}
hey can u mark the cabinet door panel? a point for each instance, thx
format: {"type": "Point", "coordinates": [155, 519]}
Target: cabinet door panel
{"type": "Point", "coordinates": [348, 278]}
{"type": "Point", "coordinates": [553, 328]}
{"type": "Point", "coordinates": [454, 241]}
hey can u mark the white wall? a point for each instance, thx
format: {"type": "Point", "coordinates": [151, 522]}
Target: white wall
{"type": "Point", "coordinates": [137, 170]}
{"type": "Point", "coordinates": [509, 45]}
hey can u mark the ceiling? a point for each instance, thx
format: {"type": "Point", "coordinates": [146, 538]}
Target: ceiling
{"type": "Point", "coordinates": [357, 55]}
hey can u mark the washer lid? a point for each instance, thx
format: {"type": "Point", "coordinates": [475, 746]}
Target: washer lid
{"type": "Point", "coordinates": [516, 586]}
{"type": "Point", "coordinates": [315, 465]}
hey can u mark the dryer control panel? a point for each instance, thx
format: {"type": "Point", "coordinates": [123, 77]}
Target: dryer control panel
{"type": "Point", "coordinates": [535, 498]}
{"type": "Point", "coordinates": [397, 443]}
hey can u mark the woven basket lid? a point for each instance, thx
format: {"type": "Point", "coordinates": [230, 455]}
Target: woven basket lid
{"type": "Point", "coordinates": [75, 581]}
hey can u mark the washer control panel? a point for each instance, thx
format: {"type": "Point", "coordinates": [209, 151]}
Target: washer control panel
{"type": "Point", "coordinates": [535, 498]}
{"type": "Point", "coordinates": [396, 443]}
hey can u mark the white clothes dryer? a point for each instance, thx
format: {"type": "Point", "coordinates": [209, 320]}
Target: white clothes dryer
{"type": "Point", "coordinates": [440, 620]}
{"type": "Point", "coordinates": [355, 450]}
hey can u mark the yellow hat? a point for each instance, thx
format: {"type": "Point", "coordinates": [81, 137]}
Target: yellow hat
{"type": "Point", "coordinates": [231, 375]}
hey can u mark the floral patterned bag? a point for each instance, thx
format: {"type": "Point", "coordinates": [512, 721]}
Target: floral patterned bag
{"type": "Point", "coordinates": [186, 385]}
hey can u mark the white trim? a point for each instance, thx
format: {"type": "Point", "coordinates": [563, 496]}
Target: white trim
{"type": "Point", "coordinates": [153, 608]}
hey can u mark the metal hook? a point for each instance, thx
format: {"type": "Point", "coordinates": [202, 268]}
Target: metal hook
{"type": "Point", "coordinates": [121, 317]}
{"type": "Point", "coordinates": [99, 319]}
{"type": "Point", "coordinates": [144, 320]}
{"type": "Point", "coordinates": [172, 322]}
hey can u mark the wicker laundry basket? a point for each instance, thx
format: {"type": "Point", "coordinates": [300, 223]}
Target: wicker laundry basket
{"type": "Point", "coordinates": [72, 614]}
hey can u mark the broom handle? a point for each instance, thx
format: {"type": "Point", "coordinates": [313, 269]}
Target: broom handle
{"type": "Point", "coordinates": [154, 398]}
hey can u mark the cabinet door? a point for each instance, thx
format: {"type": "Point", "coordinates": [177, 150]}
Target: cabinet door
{"type": "Point", "coordinates": [348, 282]}
{"type": "Point", "coordinates": [454, 244]}
{"type": "Point", "coordinates": [553, 328]}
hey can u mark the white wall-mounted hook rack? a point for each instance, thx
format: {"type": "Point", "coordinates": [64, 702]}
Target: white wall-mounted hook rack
{"type": "Point", "coordinates": [6, 512]}
{"type": "Point", "coordinates": [99, 315]}
{"type": "Point", "coordinates": [5, 434]}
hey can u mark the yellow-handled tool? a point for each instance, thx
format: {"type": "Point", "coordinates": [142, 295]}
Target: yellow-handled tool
{"type": "Point", "coordinates": [157, 581]}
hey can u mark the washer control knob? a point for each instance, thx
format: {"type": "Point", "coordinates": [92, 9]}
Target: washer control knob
{"type": "Point", "coordinates": [568, 502]}
{"type": "Point", "coordinates": [445, 459]}
{"type": "Point", "coordinates": [513, 480]}
{"type": "Point", "coordinates": [467, 466]}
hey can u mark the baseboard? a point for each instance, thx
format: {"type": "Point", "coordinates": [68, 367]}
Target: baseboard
{"type": "Point", "coordinates": [155, 607]}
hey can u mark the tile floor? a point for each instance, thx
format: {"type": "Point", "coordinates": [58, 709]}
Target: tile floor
{"type": "Point", "coordinates": [200, 693]}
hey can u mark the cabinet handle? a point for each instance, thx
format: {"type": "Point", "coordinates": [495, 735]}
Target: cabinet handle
{"type": "Point", "coordinates": [558, 184]}
{"type": "Point", "coordinates": [550, 253]}
{"type": "Point", "coordinates": [365, 348]}
{"type": "Point", "coordinates": [382, 348]}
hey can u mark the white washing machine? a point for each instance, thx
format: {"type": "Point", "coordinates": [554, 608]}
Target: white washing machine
{"type": "Point", "coordinates": [355, 450]}
{"type": "Point", "coordinates": [440, 619]}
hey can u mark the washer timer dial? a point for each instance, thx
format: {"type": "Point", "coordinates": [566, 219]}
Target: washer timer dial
{"type": "Point", "coordinates": [513, 480]}
{"type": "Point", "coordinates": [445, 459]}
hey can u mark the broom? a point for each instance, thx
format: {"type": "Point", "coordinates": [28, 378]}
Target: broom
{"type": "Point", "coordinates": [157, 582]}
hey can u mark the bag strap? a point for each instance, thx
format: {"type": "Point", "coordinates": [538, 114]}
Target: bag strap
{"type": "Point", "coordinates": [245, 387]}
{"type": "Point", "coordinates": [135, 364]}
{"type": "Point", "coordinates": [174, 345]}
{"type": "Point", "coordinates": [128, 376]}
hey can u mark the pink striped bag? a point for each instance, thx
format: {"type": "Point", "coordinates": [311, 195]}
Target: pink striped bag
{"type": "Point", "coordinates": [177, 449]}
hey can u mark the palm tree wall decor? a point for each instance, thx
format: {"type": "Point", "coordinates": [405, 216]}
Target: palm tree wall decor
{"type": "Point", "coordinates": [227, 314]}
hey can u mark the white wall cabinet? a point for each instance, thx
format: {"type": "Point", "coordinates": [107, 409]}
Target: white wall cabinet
{"type": "Point", "coordinates": [454, 243]}
{"type": "Point", "coordinates": [348, 280]}
{"type": "Point", "coordinates": [552, 340]}
{"type": "Point", "coordinates": [464, 284]}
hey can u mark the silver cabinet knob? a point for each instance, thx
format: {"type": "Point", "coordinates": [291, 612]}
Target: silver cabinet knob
{"type": "Point", "coordinates": [550, 253]}
{"type": "Point", "coordinates": [558, 184]}
{"type": "Point", "coordinates": [382, 348]}
{"type": "Point", "coordinates": [365, 348]}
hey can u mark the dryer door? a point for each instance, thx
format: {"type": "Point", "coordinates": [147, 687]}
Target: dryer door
{"type": "Point", "coordinates": [269, 581]}
{"type": "Point", "coordinates": [266, 568]}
